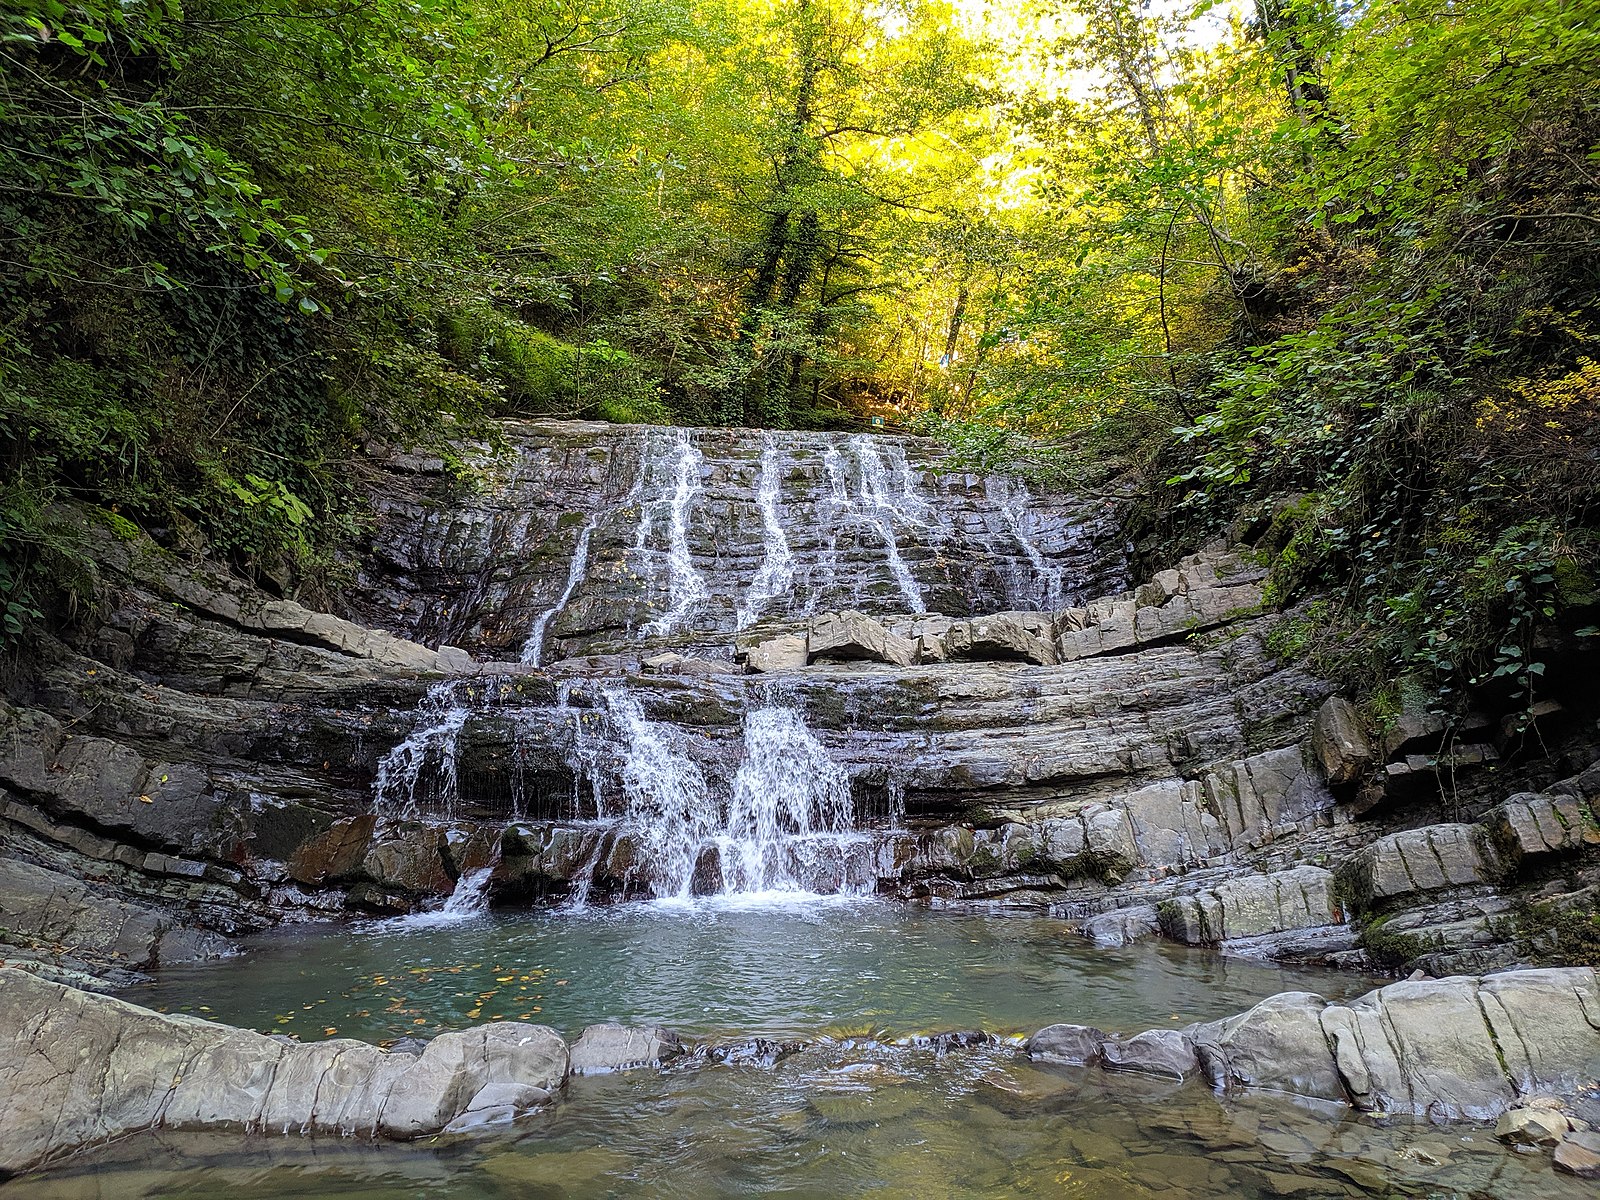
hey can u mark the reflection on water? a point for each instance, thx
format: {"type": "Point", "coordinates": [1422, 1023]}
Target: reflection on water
{"type": "Point", "coordinates": [848, 1119]}
{"type": "Point", "coordinates": [718, 969]}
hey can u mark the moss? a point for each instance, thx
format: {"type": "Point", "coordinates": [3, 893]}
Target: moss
{"type": "Point", "coordinates": [1391, 948]}
{"type": "Point", "coordinates": [1565, 935]}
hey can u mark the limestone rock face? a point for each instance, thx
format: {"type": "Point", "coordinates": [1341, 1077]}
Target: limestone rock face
{"type": "Point", "coordinates": [854, 636]}
{"type": "Point", "coordinates": [104, 932]}
{"type": "Point", "coordinates": [1454, 1048]}
{"type": "Point", "coordinates": [1301, 898]}
{"type": "Point", "coordinates": [81, 1069]}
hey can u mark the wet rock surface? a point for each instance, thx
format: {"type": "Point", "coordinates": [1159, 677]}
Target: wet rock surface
{"type": "Point", "coordinates": [1458, 1048]}
{"type": "Point", "coordinates": [88, 1069]}
{"type": "Point", "coordinates": [82, 1069]}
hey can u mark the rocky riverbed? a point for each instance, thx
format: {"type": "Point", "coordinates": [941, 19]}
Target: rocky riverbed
{"type": "Point", "coordinates": [83, 1069]}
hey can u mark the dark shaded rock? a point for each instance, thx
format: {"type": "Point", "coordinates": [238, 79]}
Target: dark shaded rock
{"type": "Point", "coordinates": [1153, 1052]}
{"type": "Point", "coordinates": [334, 855]}
{"type": "Point", "coordinates": [707, 879]}
{"type": "Point", "coordinates": [1339, 741]}
{"type": "Point", "coordinates": [1072, 1045]}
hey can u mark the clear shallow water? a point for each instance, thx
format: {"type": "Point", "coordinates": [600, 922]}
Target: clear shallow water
{"type": "Point", "coordinates": [718, 969]}
{"type": "Point", "coordinates": [845, 1120]}
{"type": "Point", "coordinates": [850, 1115]}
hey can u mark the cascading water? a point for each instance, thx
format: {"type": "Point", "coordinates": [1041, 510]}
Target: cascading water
{"type": "Point", "coordinates": [776, 576]}
{"type": "Point", "coordinates": [1012, 499]}
{"type": "Point", "coordinates": [791, 822]}
{"type": "Point", "coordinates": [879, 503]}
{"type": "Point", "coordinates": [654, 806]}
{"type": "Point", "coordinates": [685, 587]}
{"type": "Point", "coordinates": [432, 744]}
{"type": "Point", "coordinates": [667, 806]}
{"type": "Point", "coordinates": [533, 648]}
{"type": "Point", "coordinates": [785, 822]}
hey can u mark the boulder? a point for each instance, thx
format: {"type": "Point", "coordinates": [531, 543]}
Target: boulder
{"type": "Point", "coordinates": [412, 861]}
{"type": "Point", "coordinates": [1447, 1049]}
{"type": "Point", "coordinates": [1417, 861]}
{"type": "Point", "coordinates": [1253, 905]}
{"type": "Point", "coordinates": [1278, 1046]}
{"type": "Point", "coordinates": [334, 854]}
{"type": "Point", "coordinates": [788, 652]}
{"type": "Point", "coordinates": [604, 1048]}
{"type": "Point", "coordinates": [1000, 638]}
{"type": "Point", "coordinates": [1339, 741]}
{"type": "Point", "coordinates": [1072, 1045]}
{"type": "Point", "coordinates": [82, 1069]}
{"type": "Point", "coordinates": [1532, 825]}
{"type": "Point", "coordinates": [1122, 926]}
{"type": "Point", "coordinates": [852, 636]}
{"type": "Point", "coordinates": [1531, 1127]}
{"type": "Point", "coordinates": [1153, 1052]}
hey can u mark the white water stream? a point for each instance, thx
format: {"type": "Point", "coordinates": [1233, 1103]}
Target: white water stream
{"type": "Point", "coordinates": [686, 590]}
{"type": "Point", "coordinates": [533, 648]}
{"type": "Point", "coordinates": [776, 576]}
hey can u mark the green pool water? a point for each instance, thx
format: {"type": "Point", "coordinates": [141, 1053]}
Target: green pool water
{"type": "Point", "coordinates": [717, 970]}
{"type": "Point", "coordinates": [858, 1112]}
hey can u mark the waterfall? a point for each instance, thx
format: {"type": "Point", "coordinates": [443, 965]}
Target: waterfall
{"type": "Point", "coordinates": [686, 590]}
{"type": "Point", "coordinates": [784, 824]}
{"type": "Point", "coordinates": [790, 817]}
{"type": "Point", "coordinates": [667, 806]}
{"type": "Point", "coordinates": [879, 501]}
{"type": "Point", "coordinates": [1013, 500]}
{"type": "Point", "coordinates": [533, 648]}
{"type": "Point", "coordinates": [776, 575]}
{"type": "Point", "coordinates": [441, 718]}
{"type": "Point", "coordinates": [471, 894]}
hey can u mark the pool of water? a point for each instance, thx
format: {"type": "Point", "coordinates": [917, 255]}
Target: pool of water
{"type": "Point", "coordinates": [717, 969]}
{"type": "Point", "coordinates": [847, 1118]}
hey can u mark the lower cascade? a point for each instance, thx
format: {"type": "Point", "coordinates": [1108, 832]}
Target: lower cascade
{"type": "Point", "coordinates": [784, 824]}
{"type": "Point", "coordinates": [783, 821]}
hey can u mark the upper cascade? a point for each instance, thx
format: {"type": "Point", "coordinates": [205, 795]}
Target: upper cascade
{"type": "Point", "coordinates": [585, 538]}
